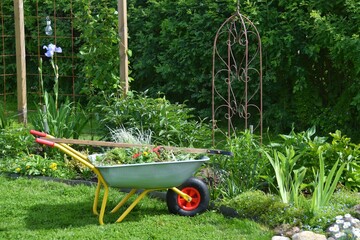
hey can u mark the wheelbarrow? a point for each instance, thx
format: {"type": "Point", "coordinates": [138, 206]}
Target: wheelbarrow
{"type": "Point", "coordinates": [186, 195]}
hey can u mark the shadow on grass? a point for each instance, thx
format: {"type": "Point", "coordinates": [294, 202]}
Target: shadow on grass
{"type": "Point", "coordinates": [50, 216]}
{"type": "Point", "coordinates": [60, 216]}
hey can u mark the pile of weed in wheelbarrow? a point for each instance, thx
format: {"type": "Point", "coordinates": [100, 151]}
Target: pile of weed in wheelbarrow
{"type": "Point", "coordinates": [119, 156]}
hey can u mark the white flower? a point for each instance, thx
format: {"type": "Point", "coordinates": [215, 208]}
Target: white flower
{"type": "Point", "coordinates": [339, 235]}
{"type": "Point", "coordinates": [339, 221]}
{"type": "Point", "coordinates": [347, 225]}
{"type": "Point", "coordinates": [334, 228]}
{"type": "Point", "coordinates": [356, 232]}
{"type": "Point", "coordinates": [347, 215]}
{"type": "Point", "coordinates": [339, 217]}
{"type": "Point", "coordinates": [354, 220]}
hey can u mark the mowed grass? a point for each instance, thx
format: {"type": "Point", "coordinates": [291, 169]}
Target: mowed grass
{"type": "Point", "coordinates": [38, 209]}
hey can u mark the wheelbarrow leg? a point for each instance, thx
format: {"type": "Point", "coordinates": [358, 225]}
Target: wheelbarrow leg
{"type": "Point", "coordinates": [133, 204]}
{"type": "Point", "coordinates": [96, 199]}
{"type": "Point", "coordinates": [104, 200]}
{"type": "Point", "coordinates": [120, 204]}
{"type": "Point", "coordinates": [101, 181]}
{"type": "Point", "coordinates": [103, 204]}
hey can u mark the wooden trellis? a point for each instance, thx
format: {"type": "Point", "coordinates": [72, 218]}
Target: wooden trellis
{"type": "Point", "coordinates": [20, 60]}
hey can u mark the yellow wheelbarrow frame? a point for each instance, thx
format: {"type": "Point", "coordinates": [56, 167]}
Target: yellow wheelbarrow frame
{"type": "Point", "coordinates": [44, 138]}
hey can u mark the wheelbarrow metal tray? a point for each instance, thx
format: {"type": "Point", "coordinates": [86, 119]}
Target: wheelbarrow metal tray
{"type": "Point", "coordinates": [149, 175]}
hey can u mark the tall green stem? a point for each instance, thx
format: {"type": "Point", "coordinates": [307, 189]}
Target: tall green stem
{"type": "Point", "coordinates": [56, 81]}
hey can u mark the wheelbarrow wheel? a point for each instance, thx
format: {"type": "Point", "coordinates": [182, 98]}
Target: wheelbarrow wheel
{"type": "Point", "coordinates": [199, 193]}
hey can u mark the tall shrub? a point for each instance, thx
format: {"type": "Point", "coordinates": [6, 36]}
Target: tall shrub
{"type": "Point", "coordinates": [171, 124]}
{"type": "Point", "coordinates": [97, 21]}
{"type": "Point", "coordinates": [240, 172]}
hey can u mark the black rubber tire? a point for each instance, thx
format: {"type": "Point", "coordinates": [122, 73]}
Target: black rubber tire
{"type": "Point", "coordinates": [173, 200]}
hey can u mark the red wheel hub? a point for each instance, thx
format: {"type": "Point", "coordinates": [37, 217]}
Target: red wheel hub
{"type": "Point", "coordinates": [195, 199]}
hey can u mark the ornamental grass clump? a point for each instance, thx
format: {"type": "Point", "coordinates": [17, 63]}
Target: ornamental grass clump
{"type": "Point", "coordinates": [130, 135]}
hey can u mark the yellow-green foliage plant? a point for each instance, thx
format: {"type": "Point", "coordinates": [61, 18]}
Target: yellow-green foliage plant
{"type": "Point", "coordinates": [324, 186]}
{"type": "Point", "coordinates": [288, 179]}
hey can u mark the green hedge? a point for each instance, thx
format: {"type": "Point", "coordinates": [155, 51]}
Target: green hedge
{"type": "Point", "coordinates": [310, 54]}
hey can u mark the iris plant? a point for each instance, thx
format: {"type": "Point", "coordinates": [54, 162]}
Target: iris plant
{"type": "Point", "coordinates": [51, 49]}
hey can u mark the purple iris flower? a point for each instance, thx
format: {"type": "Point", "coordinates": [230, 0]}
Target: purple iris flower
{"type": "Point", "coordinates": [51, 49]}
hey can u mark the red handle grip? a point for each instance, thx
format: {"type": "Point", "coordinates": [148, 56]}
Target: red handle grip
{"type": "Point", "coordinates": [46, 142]}
{"type": "Point", "coordinates": [37, 133]}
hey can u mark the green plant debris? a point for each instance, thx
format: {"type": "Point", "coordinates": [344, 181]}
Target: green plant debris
{"type": "Point", "coordinates": [118, 156]}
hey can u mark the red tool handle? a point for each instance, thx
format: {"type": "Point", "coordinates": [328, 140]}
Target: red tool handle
{"type": "Point", "coordinates": [46, 142]}
{"type": "Point", "coordinates": [37, 133]}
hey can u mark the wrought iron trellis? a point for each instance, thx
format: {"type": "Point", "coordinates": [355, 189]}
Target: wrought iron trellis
{"type": "Point", "coordinates": [237, 77]}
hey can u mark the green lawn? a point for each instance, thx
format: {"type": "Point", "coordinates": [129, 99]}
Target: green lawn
{"type": "Point", "coordinates": [38, 209]}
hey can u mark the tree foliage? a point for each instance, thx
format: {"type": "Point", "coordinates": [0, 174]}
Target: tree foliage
{"type": "Point", "coordinates": [172, 46]}
{"type": "Point", "coordinates": [310, 53]}
{"type": "Point", "coordinates": [310, 49]}
{"type": "Point", "coordinates": [97, 23]}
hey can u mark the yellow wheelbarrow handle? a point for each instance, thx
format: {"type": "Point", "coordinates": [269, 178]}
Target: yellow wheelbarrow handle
{"type": "Point", "coordinates": [71, 152]}
{"type": "Point", "coordinates": [84, 160]}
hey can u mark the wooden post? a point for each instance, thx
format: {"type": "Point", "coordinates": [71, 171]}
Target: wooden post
{"type": "Point", "coordinates": [20, 60]}
{"type": "Point", "coordinates": [124, 68]}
